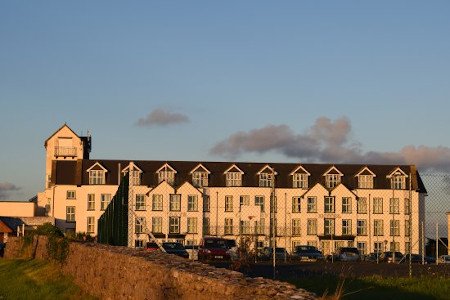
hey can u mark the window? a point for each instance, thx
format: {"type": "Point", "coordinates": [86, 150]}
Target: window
{"type": "Point", "coordinates": [395, 246]}
{"type": "Point", "coordinates": [139, 243]}
{"type": "Point", "coordinates": [266, 179]}
{"type": "Point", "coordinates": [135, 177]}
{"type": "Point", "coordinates": [398, 182]}
{"type": "Point", "coordinates": [407, 206]}
{"type": "Point", "coordinates": [206, 203]}
{"type": "Point", "coordinates": [91, 202]}
{"type": "Point", "coordinates": [346, 205]}
{"type": "Point", "coordinates": [104, 201]}
{"type": "Point", "coordinates": [140, 202]}
{"type": "Point", "coordinates": [296, 227]}
{"type": "Point", "coordinates": [245, 227]}
{"type": "Point", "coordinates": [157, 224]}
{"type": "Point", "coordinates": [377, 205]}
{"type": "Point", "coordinates": [96, 177]}
{"type": "Point", "coordinates": [394, 227]}
{"type": "Point", "coordinates": [361, 247]}
{"type": "Point", "coordinates": [192, 203]}
{"type": "Point", "coordinates": [407, 228]}
{"type": "Point", "coordinates": [259, 200]}
{"type": "Point", "coordinates": [394, 206]}
{"type": "Point", "coordinates": [192, 225]}
{"type": "Point", "coordinates": [206, 226]}
{"type": "Point", "coordinates": [228, 226]}
{"type": "Point", "coordinates": [378, 227]}
{"type": "Point", "coordinates": [90, 225]}
{"type": "Point", "coordinates": [70, 213]}
{"type": "Point", "coordinates": [174, 224]}
{"type": "Point", "coordinates": [361, 205]}
{"type": "Point", "coordinates": [332, 180]}
{"type": "Point", "coordinates": [328, 225]}
{"type": "Point", "coordinates": [157, 202]}
{"type": "Point", "coordinates": [228, 203]}
{"type": "Point", "coordinates": [259, 226]}
{"type": "Point", "coordinates": [175, 202]}
{"type": "Point", "coordinates": [312, 204]}
{"type": "Point", "coordinates": [233, 179]}
{"type": "Point", "coordinates": [139, 225]}
{"type": "Point", "coordinates": [244, 200]}
{"type": "Point", "coordinates": [300, 180]}
{"type": "Point", "coordinates": [365, 181]}
{"type": "Point", "coordinates": [329, 204]}
{"type": "Point", "coordinates": [378, 247]}
{"type": "Point", "coordinates": [167, 174]}
{"type": "Point", "coordinates": [70, 195]}
{"type": "Point", "coordinates": [296, 204]}
{"type": "Point", "coordinates": [200, 179]}
{"type": "Point", "coordinates": [361, 228]}
{"type": "Point", "coordinates": [346, 227]}
{"type": "Point", "coordinates": [311, 228]}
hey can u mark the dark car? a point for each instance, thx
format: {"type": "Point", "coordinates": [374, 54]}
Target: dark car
{"type": "Point", "coordinates": [305, 252]}
{"type": "Point", "coordinates": [372, 257]}
{"type": "Point", "coordinates": [151, 246]}
{"type": "Point", "coordinates": [348, 254]}
{"type": "Point", "coordinates": [415, 259]}
{"type": "Point", "coordinates": [391, 257]}
{"type": "Point", "coordinates": [213, 248]}
{"type": "Point", "coordinates": [175, 248]}
{"type": "Point", "coordinates": [267, 253]}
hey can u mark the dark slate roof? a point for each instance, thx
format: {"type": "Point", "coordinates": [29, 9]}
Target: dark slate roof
{"type": "Point", "coordinates": [75, 172]}
{"type": "Point", "coordinates": [11, 222]}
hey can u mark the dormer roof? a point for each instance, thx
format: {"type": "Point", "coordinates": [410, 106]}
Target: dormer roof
{"type": "Point", "coordinates": [60, 128]}
{"type": "Point", "coordinates": [333, 170]}
{"type": "Point", "coordinates": [365, 171]}
{"type": "Point", "coordinates": [233, 168]}
{"type": "Point", "coordinates": [300, 170]}
{"type": "Point", "coordinates": [132, 165]}
{"type": "Point", "coordinates": [267, 169]}
{"type": "Point", "coordinates": [397, 172]}
{"type": "Point", "coordinates": [200, 168]}
{"type": "Point", "coordinates": [97, 167]}
{"type": "Point", "coordinates": [166, 166]}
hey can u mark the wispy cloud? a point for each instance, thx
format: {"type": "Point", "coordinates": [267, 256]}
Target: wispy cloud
{"type": "Point", "coordinates": [327, 141]}
{"type": "Point", "coordinates": [162, 117]}
{"type": "Point", "coordinates": [6, 188]}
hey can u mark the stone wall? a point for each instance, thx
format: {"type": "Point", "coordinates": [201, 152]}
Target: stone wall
{"type": "Point", "coordinates": [123, 273]}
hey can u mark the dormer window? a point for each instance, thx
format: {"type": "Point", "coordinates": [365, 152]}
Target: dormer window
{"type": "Point", "coordinates": [166, 173]}
{"type": "Point", "coordinates": [300, 178]}
{"type": "Point", "coordinates": [97, 174]}
{"type": "Point", "coordinates": [365, 179]}
{"type": "Point", "coordinates": [233, 176]}
{"type": "Point", "coordinates": [398, 179]}
{"type": "Point", "coordinates": [135, 174]}
{"type": "Point", "coordinates": [266, 177]}
{"type": "Point", "coordinates": [332, 178]}
{"type": "Point", "coordinates": [200, 176]}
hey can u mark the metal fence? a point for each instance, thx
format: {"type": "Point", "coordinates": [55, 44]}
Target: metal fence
{"type": "Point", "coordinates": [113, 224]}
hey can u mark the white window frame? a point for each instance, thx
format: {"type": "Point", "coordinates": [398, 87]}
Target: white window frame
{"type": "Point", "coordinates": [228, 203]}
{"type": "Point", "coordinates": [365, 181]}
{"type": "Point", "coordinates": [361, 227]}
{"type": "Point", "coordinates": [311, 227]}
{"type": "Point", "coordinates": [90, 202]}
{"type": "Point", "coordinates": [332, 180]}
{"type": "Point", "coordinates": [96, 177]}
{"type": "Point", "coordinates": [329, 204]}
{"type": "Point", "coordinates": [398, 182]}
{"type": "Point", "coordinates": [394, 205]}
{"type": "Point", "coordinates": [346, 205]}
{"type": "Point", "coordinates": [296, 204]}
{"type": "Point", "coordinates": [407, 204]}
{"type": "Point", "coordinates": [71, 195]}
{"type": "Point", "coordinates": [228, 228]}
{"type": "Point", "coordinates": [140, 202]}
{"type": "Point", "coordinates": [244, 200]}
{"type": "Point", "coordinates": [70, 213]}
{"type": "Point", "coordinates": [259, 201]}
{"type": "Point", "coordinates": [378, 227]}
{"type": "Point", "coordinates": [175, 202]}
{"type": "Point", "coordinates": [362, 247]}
{"type": "Point", "coordinates": [245, 227]}
{"type": "Point", "coordinates": [200, 179]}
{"type": "Point", "coordinates": [139, 225]}
{"type": "Point", "coordinates": [378, 205]}
{"type": "Point", "coordinates": [266, 179]}
{"type": "Point", "coordinates": [192, 203]}
{"type": "Point", "coordinates": [300, 180]}
{"type": "Point", "coordinates": [311, 204]}
{"type": "Point", "coordinates": [157, 202]}
{"type": "Point", "coordinates": [174, 225]}
{"type": "Point", "coordinates": [90, 225]}
{"type": "Point", "coordinates": [157, 225]}
{"type": "Point", "coordinates": [233, 179]}
{"type": "Point", "coordinates": [104, 201]}
{"type": "Point", "coordinates": [394, 227]}
{"type": "Point", "coordinates": [296, 227]}
{"type": "Point", "coordinates": [329, 226]}
{"type": "Point", "coordinates": [361, 205]}
{"type": "Point", "coordinates": [346, 226]}
{"type": "Point", "coordinates": [192, 224]}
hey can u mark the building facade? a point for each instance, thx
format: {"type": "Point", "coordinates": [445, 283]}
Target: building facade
{"type": "Point", "coordinates": [372, 207]}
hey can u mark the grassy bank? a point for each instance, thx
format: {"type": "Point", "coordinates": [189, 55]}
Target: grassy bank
{"type": "Point", "coordinates": [35, 279]}
{"type": "Point", "coordinates": [376, 287]}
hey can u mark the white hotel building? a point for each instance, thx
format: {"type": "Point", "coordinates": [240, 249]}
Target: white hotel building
{"type": "Point", "coordinates": [372, 207]}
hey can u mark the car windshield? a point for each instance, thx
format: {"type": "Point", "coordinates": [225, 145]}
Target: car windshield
{"type": "Point", "coordinates": [305, 248]}
{"type": "Point", "coordinates": [173, 246]}
{"type": "Point", "coordinates": [214, 244]}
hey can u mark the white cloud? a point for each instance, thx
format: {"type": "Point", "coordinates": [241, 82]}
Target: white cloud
{"type": "Point", "coordinates": [161, 117]}
{"type": "Point", "coordinates": [6, 188]}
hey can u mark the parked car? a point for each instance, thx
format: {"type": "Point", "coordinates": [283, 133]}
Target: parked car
{"type": "Point", "coordinates": [267, 253]}
{"type": "Point", "coordinates": [348, 254]}
{"type": "Point", "coordinates": [444, 259]}
{"type": "Point", "coordinates": [175, 248]}
{"type": "Point", "coordinates": [372, 257]}
{"type": "Point", "coordinates": [415, 259]}
{"type": "Point", "coordinates": [151, 246]}
{"type": "Point", "coordinates": [232, 249]}
{"type": "Point", "coordinates": [213, 248]}
{"type": "Point", "coordinates": [305, 252]}
{"type": "Point", "coordinates": [389, 256]}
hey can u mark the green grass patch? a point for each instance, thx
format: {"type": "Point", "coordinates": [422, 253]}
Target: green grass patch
{"type": "Point", "coordinates": [36, 279]}
{"type": "Point", "coordinates": [376, 287]}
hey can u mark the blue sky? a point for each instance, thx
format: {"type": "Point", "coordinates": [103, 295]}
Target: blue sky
{"type": "Point", "coordinates": [331, 81]}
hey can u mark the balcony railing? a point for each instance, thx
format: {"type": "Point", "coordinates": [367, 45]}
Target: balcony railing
{"type": "Point", "coordinates": [65, 151]}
